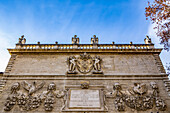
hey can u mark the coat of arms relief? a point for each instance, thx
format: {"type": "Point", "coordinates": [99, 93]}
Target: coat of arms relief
{"type": "Point", "coordinates": [84, 64]}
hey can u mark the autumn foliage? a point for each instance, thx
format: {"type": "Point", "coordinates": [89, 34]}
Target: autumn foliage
{"type": "Point", "coordinates": [159, 13]}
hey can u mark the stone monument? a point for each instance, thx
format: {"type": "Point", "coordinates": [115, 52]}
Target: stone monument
{"type": "Point", "coordinates": [84, 78]}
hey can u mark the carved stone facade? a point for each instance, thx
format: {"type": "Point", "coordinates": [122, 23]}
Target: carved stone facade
{"type": "Point", "coordinates": [138, 100]}
{"type": "Point", "coordinates": [84, 64]}
{"type": "Point", "coordinates": [84, 78]}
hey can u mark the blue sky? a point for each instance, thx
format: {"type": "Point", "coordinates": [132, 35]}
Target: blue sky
{"type": "Point", "coordinates": [48, 21]}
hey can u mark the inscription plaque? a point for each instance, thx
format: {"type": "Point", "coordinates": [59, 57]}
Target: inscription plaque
{"type": "Point", "coordinates": [84, 99]}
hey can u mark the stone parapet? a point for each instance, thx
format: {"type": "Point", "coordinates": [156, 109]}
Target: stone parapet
{"type": "Point", "coordinates": [84, 46]}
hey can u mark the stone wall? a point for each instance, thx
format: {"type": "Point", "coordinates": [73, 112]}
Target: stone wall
{"type": "Point", "coordinates": [112, 64]}
{"type": "Point", "coordinates": [67, 81]}
{"type": "Point", "coordinates": [122, 76]}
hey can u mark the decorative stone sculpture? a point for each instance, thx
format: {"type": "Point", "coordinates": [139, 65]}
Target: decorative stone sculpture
{"type": "Point", "coordinates": [22, 100]}
{"type": "Point", "coordinates": [50, 96]}
{"type": "Point", "coordinates": [31, 100]}
{"type": "Point", "coordinates": [138, 100]}
{"type": "Point", "coordinates": [12, 98]}
{"type": "Point", "coordinates": [84, 64]}
{"type": "Point", "coordinates": [22, 40]}
{"type": "Point", "coordinates": [147, 40]}
{"type": "Point", "coordinates": [32, 88]}
{"type": "Point", "coordinates": [97, 65]}
{"type": "Point", "coordinates": [71, 61]}
{"type": "Point", "coordinates": [75, 40]}
{"type": "Point", "coordinates": [155, 89]}
{"type": "Point", "coordinates": [84, 84]}
{"type": "Point", "coordinates": [119, 104]}
{"type": "Point", "coordinates": [160, 104]}
{"type": "Point", "coordinates": [148, 102]}
{"type": "Point", "coordinates": [94, 40]}
{"type": "Point", "coordinates": [138, 88]}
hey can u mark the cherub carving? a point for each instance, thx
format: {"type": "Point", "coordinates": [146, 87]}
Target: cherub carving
{"type": "Point", "coordinates": [97, 64]}
{"type": "Point", "coordinates": [32, 88]}
{"type": "Point", "coordinates": [50, 96]}
{"type": "Point", "coordinates": [15, 87]}
{"type": "Point", "coordinates": [71, 61]}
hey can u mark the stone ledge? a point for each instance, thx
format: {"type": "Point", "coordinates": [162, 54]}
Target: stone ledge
{"type": "Point", "coordinates": [84, 50]}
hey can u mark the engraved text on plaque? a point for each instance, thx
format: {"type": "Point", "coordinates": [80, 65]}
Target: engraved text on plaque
{"type": "Point", "coordinates": [84, 99]}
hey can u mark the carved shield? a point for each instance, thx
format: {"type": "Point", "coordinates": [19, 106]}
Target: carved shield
{"type": "Point", "coordinates": [85, 63]}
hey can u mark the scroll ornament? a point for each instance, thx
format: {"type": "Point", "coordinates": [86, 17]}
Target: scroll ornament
{"type": "Point", "coordinates": [137, 99]}
{"type": "Point", "coordinates": [31, 100]}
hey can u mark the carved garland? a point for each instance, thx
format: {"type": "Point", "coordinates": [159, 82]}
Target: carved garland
{"type": "Point", "coordinates": [31, 100]}
{"type": "Point", "coordinates": [137, 100]}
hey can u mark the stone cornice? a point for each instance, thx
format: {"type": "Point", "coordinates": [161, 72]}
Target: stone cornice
{"type": "Point", "coordinates": [102, 48]}
{"type": "Point", "coordinates": [12, 51]}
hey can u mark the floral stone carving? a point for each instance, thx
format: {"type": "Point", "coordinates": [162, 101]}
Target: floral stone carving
{"type": "Point", "coordinates": [50, 96]}
{"type": "Point", "coordinates": [31, 100]}
{"type": "Point", "coordinates": [138, 100]}
{"type": "Point", "coordinates": [84, 64]}
{"type": "Point", "coordinates": [12, 98]}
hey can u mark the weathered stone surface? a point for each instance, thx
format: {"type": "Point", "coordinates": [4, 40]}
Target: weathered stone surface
{"type": "Point", "coordinates": [126, 81]}
{"type": "Point", "coordinates": [84, 99]}
{"type": "Point", "coordinates": [41, 64]}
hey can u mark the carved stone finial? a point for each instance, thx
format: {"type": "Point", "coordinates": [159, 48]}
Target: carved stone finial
{"type": "Point", "coordinates": [75, 40]}
{"type": "Point", "coordinates": [94, 40]}
{"type": "Point", "coordinates": [147, 40]}
{"type": "Point", "coordinates": [38, 42]}
{"type": "Point", "coordinates": [131, 42]}
{"type": "Point", "coordinates": [22, 40]}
